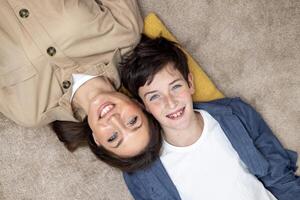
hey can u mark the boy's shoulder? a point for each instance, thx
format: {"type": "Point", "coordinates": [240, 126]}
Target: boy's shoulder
{"type": "Point", "coordinates": [223, 101]}
{"type": "Point", "coordinates": [223, 106]}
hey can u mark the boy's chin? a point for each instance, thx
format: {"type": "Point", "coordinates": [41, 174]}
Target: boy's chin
{"type": "Point", "coordinates": [178, 124]}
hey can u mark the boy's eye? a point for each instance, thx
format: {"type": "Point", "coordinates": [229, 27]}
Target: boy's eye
{"type": "Point", "coordinates": [176, 86]}
{"type": "Point", "coordinates": [132, 121]}
{"type": "Point", "coordinates": [113, 137]}
{"type": "Point", "coordinates": [153, 97]}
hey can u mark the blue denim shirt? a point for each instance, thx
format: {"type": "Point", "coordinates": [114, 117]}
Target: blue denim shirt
{"type": "Point", "coordinates": [255, 144]}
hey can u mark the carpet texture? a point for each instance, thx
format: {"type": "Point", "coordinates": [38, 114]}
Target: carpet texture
{"type": "Point", "coordinates": [248, 48]}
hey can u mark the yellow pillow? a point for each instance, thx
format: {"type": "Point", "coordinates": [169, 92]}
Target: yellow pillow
{"type": "Point", "coordinates": [205, 90]}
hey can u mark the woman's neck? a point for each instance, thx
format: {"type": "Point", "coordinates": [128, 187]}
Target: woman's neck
{"type": "Point", "coordinates": [187, 136]}
{"type": "Point", "coordinates": [89, 90]}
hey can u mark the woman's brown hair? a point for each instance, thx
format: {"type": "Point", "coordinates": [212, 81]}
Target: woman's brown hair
{"type": "Point", "coordinates": [73, 134]}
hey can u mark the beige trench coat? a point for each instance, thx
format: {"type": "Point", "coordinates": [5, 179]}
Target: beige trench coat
{"type": "Point", "coordinates": [42, 42]}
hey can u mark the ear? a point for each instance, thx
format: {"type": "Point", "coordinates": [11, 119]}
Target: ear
{"type": "Point", "coordinates": [191, 83]}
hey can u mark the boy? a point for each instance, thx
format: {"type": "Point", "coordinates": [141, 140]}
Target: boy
{"type": "Point", "coordinates": [215, 150]}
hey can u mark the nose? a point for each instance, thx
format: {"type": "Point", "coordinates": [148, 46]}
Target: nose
{"type": "Point", "coordinates": [171, 101]}
{"type": "Point", "coordinates": [116, 121]}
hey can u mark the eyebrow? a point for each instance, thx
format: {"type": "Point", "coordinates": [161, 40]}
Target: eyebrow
{"type": "Point", "coordinates": [121, 140]}
{"type": "Point", "coordinates": [153, 91]}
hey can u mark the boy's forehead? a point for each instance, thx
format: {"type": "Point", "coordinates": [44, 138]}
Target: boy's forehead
{"type": "Point", "coordinates": [156, 74]}
{"type": "Point", "coordinates": [167, 72]}
{"type": "Point", "coordinates": [163, 77]}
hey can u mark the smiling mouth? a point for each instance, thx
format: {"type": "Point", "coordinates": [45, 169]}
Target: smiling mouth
{"type": "Point", "coordinates": [177, 114]}
{"type": "Point", "coordinates": [106, 109]}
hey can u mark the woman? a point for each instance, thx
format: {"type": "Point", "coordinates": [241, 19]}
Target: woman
{"type": "Point", "coordinates": [55, 54]}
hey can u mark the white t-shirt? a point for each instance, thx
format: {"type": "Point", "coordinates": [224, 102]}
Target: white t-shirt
{"type": "Point", "coordinates": [79, 80]}
{"type": "Point", "coordinates": [211, 169]}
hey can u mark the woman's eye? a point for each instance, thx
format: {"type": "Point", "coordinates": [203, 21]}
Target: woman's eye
{"type": "Point", "coordinates": [176, 86]}
{"type": "Point", "coordinates": [113, 137]}
{"type": "Point", "coordinates": [132, 121]}
{"type": "Point", "coordinates": [153, 97]}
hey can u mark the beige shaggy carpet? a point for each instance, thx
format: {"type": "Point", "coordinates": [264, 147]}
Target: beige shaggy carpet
{"type": "Point", "coordinates": [248, 48]}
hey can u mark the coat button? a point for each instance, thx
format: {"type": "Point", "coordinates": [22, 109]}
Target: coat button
{"type": "Point", "coordinates": [51, 51]}
{"type": "Point", "coordinates": [24, 13]}
{"type": "Point", "coordinates": [66, 84]}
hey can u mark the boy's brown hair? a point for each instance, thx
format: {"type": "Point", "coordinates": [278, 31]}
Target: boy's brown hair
{"type": "Point", "coordinates": [148, 58]}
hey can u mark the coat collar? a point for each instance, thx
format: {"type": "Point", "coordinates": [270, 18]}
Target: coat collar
{"type": "Point", "coordinates": [216, 107]}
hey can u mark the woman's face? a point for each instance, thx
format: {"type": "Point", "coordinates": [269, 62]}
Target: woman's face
{"type": "Point", "coordinates": [118, 124]}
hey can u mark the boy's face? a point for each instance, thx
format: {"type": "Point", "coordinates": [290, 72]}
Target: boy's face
{"type": "Point", "coordinates": [169, 98]}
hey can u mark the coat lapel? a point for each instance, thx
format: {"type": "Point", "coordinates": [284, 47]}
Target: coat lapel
{"type": "Point", "coordinates": [166, 186]}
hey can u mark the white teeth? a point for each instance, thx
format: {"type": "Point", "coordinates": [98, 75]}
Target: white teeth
{"type": "Point", "coordinates": [175, 115]}
{"type": "Point", "coordinates": [106, 109]}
